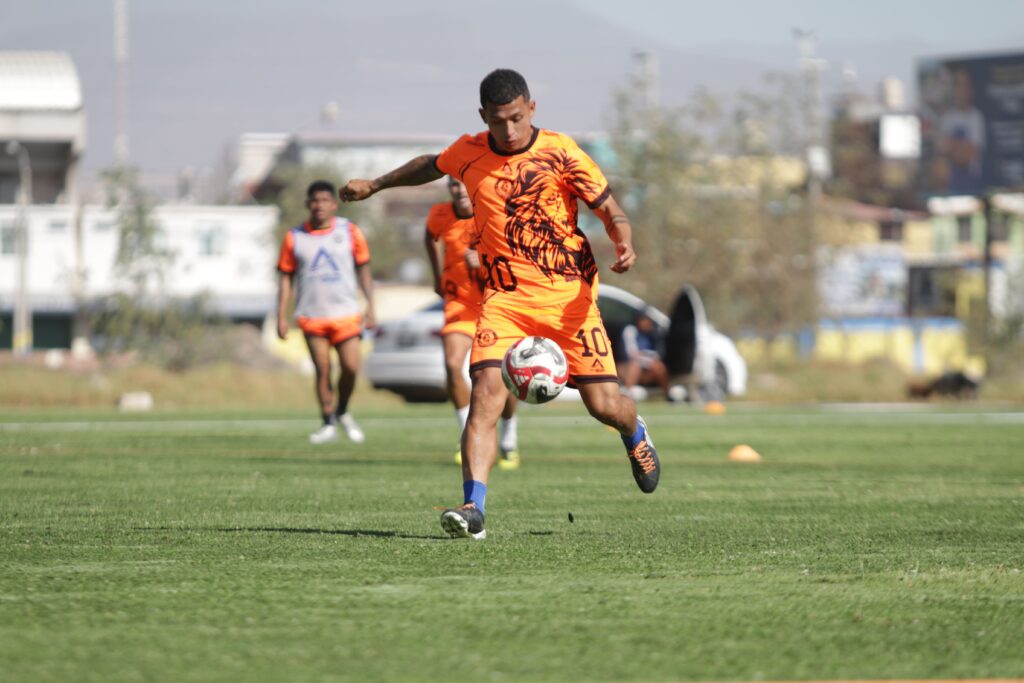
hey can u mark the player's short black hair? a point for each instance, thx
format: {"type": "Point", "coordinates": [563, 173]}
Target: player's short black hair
{"type": "Point", "coordinates": [320, 186]}
{"type": "Point", "coordinates": [501, 86]}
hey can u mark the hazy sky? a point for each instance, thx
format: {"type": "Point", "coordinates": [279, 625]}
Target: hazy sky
{"type": "Point", "coordinates": [204, 71]}
{"type": "Point", "coordinates": [958, 26]}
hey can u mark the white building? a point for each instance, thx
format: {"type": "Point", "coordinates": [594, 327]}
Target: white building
{"type": "Point", "coordinates": [365, 156]}
{"type": "Point", "coordinates": [41, 110]}
{"type": "Point", "coordinates": [225, 252]}
{"type": "Point", "coordinates": [254, 157]}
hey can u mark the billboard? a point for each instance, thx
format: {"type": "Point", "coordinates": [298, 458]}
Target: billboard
{"type": "Point", "coordinates": [868, 280]}
{"type": "Point", "coordinates": [972, 124]}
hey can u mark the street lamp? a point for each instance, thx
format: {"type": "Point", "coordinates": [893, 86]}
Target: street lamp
{"type": "Point", "coordinates": [22, 339]}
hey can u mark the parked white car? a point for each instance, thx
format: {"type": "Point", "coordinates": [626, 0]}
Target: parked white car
{"type": "Point", "coordinates": [408, 358]}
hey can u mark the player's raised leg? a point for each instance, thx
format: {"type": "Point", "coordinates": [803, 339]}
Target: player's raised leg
{"type": "Point", "coordinates": [320, 354]}
{"type": "Point", "coordinates": [605, 403]}
{"type": "Point", "coordinates": [479, 451]}
{"type": "Point", "coordinates": [350, 359]}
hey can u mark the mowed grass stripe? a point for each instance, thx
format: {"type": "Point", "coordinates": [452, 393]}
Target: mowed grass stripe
{"type": "Point", "coordinates": [853, 552]}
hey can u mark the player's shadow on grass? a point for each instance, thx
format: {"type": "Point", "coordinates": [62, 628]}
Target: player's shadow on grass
{"type": "Point", "coordinates": [287, 460]}
{"type": "Point", "coordinates": [355, 533]}
{"type": "Point", "coordinates": [360, 532]}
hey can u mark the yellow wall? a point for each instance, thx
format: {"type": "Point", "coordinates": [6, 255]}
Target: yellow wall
{"type": "Point", "coordinates": [756, 349]}
{"type": "Point", "coordinates": [918, 238]}
{"type": "Point", "coordinates": [941, 347]}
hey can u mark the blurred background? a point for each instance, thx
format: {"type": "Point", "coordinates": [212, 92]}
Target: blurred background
{"type": "Point", "coordinates": [841, 184]}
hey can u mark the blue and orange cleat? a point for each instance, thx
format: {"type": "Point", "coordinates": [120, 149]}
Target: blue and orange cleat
{"type": "Point", "coordinates": [644, 461]}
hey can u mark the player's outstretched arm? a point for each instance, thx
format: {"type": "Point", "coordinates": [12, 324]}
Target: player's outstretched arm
{"type": "Point", "coordinates": [620, 232]}
{"type": "Point", "coordinates": [415, 172]}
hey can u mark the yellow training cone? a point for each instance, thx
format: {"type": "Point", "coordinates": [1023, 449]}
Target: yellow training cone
{"type": "Point", "coordinates": [744, 453]}
{"type": "Point", "coordinates": [714, 408]}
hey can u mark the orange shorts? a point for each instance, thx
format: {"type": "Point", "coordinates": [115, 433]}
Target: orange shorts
{"type": "Point", "coordinates": [576, 327]}
{"type": "Point", "coordinates": [460, 318]}
{"type": "Point", "coordinates": [336, 330]}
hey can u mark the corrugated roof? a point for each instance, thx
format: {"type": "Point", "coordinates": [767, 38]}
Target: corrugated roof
{"type": "Point", "coordinates": [39, 81]}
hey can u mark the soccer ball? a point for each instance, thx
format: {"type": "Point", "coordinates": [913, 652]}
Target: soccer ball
{"type": "Point", "coordinates": [535, 369]}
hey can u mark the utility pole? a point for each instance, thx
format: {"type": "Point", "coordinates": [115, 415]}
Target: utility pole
{"type": "Point", "coordinates": [647, 81]}
{"type": "Point", "coordinates": [121, 82]}
{"type": "Point", "coordinates": [986, 265]}
{"type": "Point", "coordinates": [811, 67]}
{"type": "Point", "coordinates": [22, 338]}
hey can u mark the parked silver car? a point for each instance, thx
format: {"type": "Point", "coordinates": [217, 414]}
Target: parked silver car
{"type": "Point", "coordinates": [408, 358]}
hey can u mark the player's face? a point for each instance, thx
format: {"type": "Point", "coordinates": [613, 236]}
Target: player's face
{"type": "Point", "coordinates": [460, 198]}
{"type": "Point", "coordinates": [511, 125]}
{"type": "Point", "coordinates": [322, 207]}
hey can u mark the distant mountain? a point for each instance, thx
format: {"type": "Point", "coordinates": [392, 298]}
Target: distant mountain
{"type": "Point", "coordinates": [201, 73]}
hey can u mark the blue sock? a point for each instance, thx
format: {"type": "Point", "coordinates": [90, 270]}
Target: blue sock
{"type": "Point", "coordinates": [630, 442]}
{"type": "Point", "coordinates": [475, 492]}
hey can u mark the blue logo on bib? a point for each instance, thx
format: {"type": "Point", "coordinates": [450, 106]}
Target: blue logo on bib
{"type": "Point", "coordinates": [323, 259]}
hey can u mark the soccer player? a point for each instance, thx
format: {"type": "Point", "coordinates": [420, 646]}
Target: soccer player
{"type": "Point", "coordinates": [540, 273]}
{"type": "Point", "coordinates": [642, 364]}
{"type": "Point", "coordinates": [325, 259]}
{"type": "Point", "coordinates": [460, 283]}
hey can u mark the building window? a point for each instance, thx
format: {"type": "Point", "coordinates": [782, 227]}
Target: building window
{"type": "Point", "coordinates": [104, 226]}
{"type": "Point", "coordinates": [963, 229]}
{"type": "Point", "coordinates": [58, 226]}
{"type": "Point", "coordinates": [890, 231]}
{"type": "Point", "coordinates": [931, 291]}
{"type": "Point", "coordinates": [212, 238]}
{"type": "Point", "coordinates": [8, 238]}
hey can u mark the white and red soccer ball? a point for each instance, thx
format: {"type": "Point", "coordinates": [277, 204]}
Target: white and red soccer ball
{"type": "Point", "coordinates": [535, 369]}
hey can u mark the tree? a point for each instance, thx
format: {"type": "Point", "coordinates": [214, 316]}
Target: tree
{"type": "Point", "coordinates": [140, 316]}
{"type": "Point", "coordinates": [716, 202]}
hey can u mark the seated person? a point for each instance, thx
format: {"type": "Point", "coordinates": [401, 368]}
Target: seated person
{"type": "Point", "coordinates": [643, 365]}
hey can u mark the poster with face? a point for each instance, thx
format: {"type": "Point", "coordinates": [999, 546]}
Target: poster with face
{"type": "Point", "coordinates": [972, 121]}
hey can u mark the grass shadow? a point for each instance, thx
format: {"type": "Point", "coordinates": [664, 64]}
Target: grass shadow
{"type": "Point", "coordinates": [354, 533]}
{"type": "Point", "coordinates": [285, 460]}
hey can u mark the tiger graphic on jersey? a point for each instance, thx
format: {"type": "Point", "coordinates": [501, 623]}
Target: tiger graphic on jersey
{"type": "Point", "coordinates": [552, 241]}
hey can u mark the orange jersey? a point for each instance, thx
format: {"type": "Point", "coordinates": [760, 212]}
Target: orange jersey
{"type": "Point", "coordinates": [526, 214]}
{"type": "Point", "coordinates": [457, 234]}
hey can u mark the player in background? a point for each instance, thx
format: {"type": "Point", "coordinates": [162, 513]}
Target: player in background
{"type": "Point", "coordinates": [459, 283]}
{"type": "Point", "coordinates": [524, 183]}
{"type": "Point", "coordinates": [642, 364]}
{"type": "Point", "coordinates": [326, 260]}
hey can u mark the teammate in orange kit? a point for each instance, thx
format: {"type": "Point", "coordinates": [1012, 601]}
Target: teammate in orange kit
{"type": "Point", "coordinates": [324, 260]}
{"type": "Point", "coordinates": [541, 276]}
{"type": "Point", "coordinates": [459, 282]}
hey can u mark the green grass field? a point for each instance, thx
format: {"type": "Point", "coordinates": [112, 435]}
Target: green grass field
{"type": "Point", "coordinates": [221, 547]}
